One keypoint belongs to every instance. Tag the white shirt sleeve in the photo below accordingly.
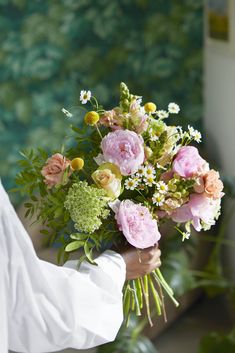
(49, 307)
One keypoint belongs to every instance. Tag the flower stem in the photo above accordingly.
(138, 312)
(159, 279)
(98, 130)
(144, 284)
(155, 296)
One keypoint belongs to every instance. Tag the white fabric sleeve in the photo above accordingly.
(49, 307)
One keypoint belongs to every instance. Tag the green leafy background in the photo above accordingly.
(52, 49)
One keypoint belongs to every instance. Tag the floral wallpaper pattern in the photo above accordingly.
(52, 49)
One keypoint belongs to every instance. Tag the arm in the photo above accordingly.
(50, 307)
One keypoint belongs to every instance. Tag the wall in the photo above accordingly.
(219, 119)
(52, 49)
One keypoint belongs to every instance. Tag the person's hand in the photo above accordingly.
(140, 262)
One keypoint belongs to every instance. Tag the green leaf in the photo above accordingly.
(74, 245)
(28, 205)
(88, 252)
(79, 236)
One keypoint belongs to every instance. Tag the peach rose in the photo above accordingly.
(213, 186)
(108, 177)
(54, 168)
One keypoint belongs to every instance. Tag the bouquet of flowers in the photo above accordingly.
(124, 174)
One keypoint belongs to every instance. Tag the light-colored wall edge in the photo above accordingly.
(219, 114)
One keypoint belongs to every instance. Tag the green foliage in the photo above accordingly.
(129, 340)
(217, 343)
(176, 269)
(50, 50)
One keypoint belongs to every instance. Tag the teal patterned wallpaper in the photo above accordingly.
(52, 49)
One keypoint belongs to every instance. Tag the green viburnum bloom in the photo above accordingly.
(87, 206)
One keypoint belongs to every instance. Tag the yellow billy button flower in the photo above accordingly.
(77, 163)
(150, 107)
(91, 118)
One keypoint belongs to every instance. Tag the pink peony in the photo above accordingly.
(137, 224)
(125, 149)
(54, 168)
(199, 208)
(188, 163)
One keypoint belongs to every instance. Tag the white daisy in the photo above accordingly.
(131, 184)
(162, 187)
(67, 113)
(185, 235)
(197, 136)
(141, 171)
(149, 180)
(149, 171)
(191, 130)
(173, 108)
(158, 199)
(162, 114)
(153, 135)
(85, 96)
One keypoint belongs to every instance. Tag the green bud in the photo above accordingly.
(184, 192)
(172, 187)
(177, 195)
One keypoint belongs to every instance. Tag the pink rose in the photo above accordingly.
(54, 168)
(137, 224)
(138, 117)
(112, 119)
(210, 184)
(125, 149)
(188, 163)
(213, 184)
(199, 208)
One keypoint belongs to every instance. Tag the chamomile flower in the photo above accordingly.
(158, 199)
(162, 187)
(181, 132)
(131, 184)
(162, 114)
(173, 108)
(154, 136)
(67, 113)
(141, 171)
(85, 96)
(191, 130)
(197, 136)
(150, 180)
(185, 235)
(149, 171)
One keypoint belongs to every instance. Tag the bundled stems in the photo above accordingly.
(144, 284)
(137, 293)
